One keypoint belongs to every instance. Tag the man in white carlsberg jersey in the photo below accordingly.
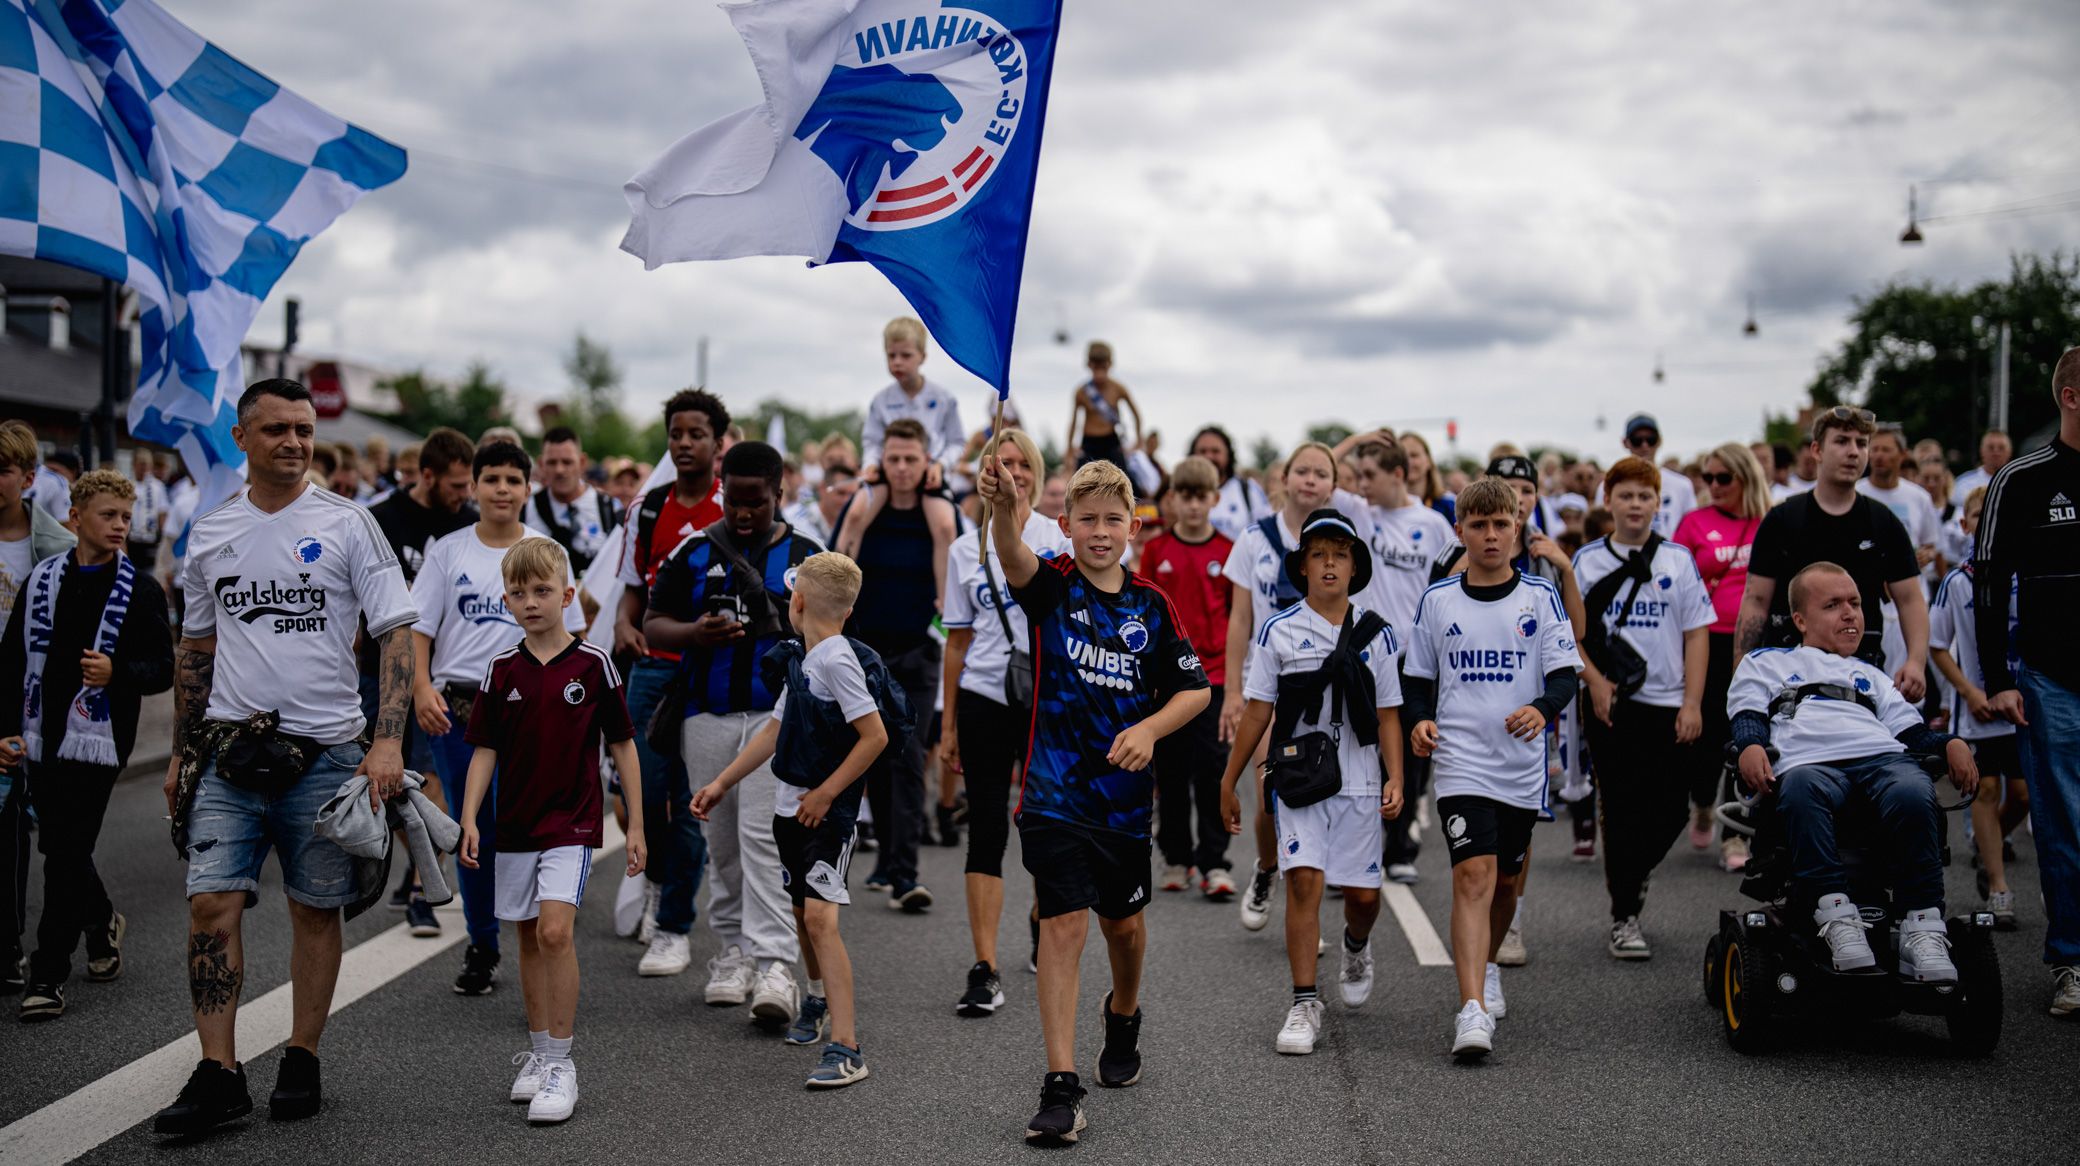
(277, 581)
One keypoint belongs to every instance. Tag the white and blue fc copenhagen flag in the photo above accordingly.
(902, 132)
(132, 148)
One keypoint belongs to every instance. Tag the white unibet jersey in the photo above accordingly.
(969, 604)
(1404, 544)
(1823, 730)
(284, 594)
(1298, 640)
(1489, 659)
(1257, 562)
(461, 598)
(1952, 628)
(581, 516)
(834, 674)
(1674, 601)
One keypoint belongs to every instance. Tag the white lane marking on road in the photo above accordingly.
(1430, 950)
(72, 1125)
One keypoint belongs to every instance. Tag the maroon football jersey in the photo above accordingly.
(547, 721)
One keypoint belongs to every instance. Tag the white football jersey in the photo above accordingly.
(1489, 659)
(1673, 602)
(461, 597)
(1298, 639)
(1952, 627)
(1822, 730)
(1404, 544)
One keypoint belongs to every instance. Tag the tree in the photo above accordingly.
(1329, 432)
(801, 424)
(594, 409)
(1923, 356)
(425, 404)
(1264, 452)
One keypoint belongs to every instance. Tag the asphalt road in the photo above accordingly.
(1597, 1061)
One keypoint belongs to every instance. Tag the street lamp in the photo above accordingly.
(1750, 328)
(1911, 237)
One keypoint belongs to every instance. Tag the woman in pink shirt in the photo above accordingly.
(1720, 535)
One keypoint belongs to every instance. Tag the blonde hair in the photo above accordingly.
(1034, 461)
(908, 328)
(101, 481)
(18, 446)
(532, 558)
(1740, 461)
(828, 583)
(1431, 488)
(1486, 496)
(1287, 467)
(1100, 480)
(1195, 475)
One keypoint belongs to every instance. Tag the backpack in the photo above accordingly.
(564, 535)
(1283, 594)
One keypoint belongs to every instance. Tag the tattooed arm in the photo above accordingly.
(384, 765)
(194, 672)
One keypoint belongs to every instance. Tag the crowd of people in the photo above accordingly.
(760, 665)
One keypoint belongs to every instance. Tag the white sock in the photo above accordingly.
(816, 987)
(557, 1048)
(540, 1040)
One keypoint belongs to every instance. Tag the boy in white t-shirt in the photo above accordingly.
(1491, 659)
(830, 697)
(1350, 655)
(463, 623)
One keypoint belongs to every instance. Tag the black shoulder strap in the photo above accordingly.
(646, 517)
(544, 507)
(609, 518)
(996, 599)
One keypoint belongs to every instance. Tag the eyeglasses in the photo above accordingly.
(1650, 440)
(1722, 478)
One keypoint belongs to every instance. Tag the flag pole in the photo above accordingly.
(989, 449)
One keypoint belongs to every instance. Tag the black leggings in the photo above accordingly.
(992, 743)
(1707, 755)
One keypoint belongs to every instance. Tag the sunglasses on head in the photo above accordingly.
(1722, 478)
(1851, 413)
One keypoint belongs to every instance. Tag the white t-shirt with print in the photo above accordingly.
(968, 603)
(460, 594)
(1823, 730)
(1489, 659)
(1674, 602)
(580, 516)
(834, 674)
(1952, 627)
(1404, 544)
(1299, 639)
(284, 594)
(1238, 505)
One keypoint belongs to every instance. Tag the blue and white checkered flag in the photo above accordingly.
(133, 148)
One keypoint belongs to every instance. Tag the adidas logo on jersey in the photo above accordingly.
(1453, 631)
(2062, 509)
(716, 571)
(462, 580)
(1080, 617)
(229, 552)
(512, 694)
(1164, 568)
(1304, 642)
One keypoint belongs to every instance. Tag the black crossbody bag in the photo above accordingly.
(1304, 769)
(1018, 669)
(1613, 654)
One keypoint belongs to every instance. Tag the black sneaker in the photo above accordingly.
(105, 950)
(402, 896)
(15, 976)
(949, 829)
(911, 897)
(213, 1095)
(985, 993)
(864, 843)
(296, 1093)
(419, 915)
(1060, 1118)
(1119, 1062)
(42, 1002)
(479, 971)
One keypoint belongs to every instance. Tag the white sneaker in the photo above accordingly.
(2065, 990)
(2002, 904)
(778, 997)
(669, 955)
(1491, 993)
(1842, 926)
(1303, 1026)
(1512, 954)
(1404, 873)
(1256, 898)
(730, 976)
(1357, 975)
(1923, 944)
(1628, 942)
(630, 897)
(1176, 878)
(558, 1095)
(529, 1082)
(1473, 1034)
(647, 929)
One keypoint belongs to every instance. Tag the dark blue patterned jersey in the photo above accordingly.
(1103, 662)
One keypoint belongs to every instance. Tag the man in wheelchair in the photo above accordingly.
(1831, 735)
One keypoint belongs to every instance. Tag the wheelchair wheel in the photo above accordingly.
(1714, 952)
(1975, 1020)
(1743, 991)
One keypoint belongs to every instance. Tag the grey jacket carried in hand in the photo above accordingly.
(349, 822)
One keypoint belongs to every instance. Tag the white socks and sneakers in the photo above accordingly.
(668, 955)
(548, 1081)
(1923, 945)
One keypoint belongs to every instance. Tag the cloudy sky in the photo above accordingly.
(1375, 211)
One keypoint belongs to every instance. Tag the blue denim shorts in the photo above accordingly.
(230, 831)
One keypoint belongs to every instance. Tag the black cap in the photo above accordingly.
(65, 460)
(1510, 466)
(1327, 522)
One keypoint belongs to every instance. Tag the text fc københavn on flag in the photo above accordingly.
(135, 149)
(899, 132)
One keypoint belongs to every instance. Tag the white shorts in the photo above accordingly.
(527, 877)
(1340, 836)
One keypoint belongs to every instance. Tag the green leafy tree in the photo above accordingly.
(1923, 356)
(1264, 452)
(594, 408)
(801, 424)
(1329, 432)
(425, 404)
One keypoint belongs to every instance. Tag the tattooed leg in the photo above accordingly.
(216, 970)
